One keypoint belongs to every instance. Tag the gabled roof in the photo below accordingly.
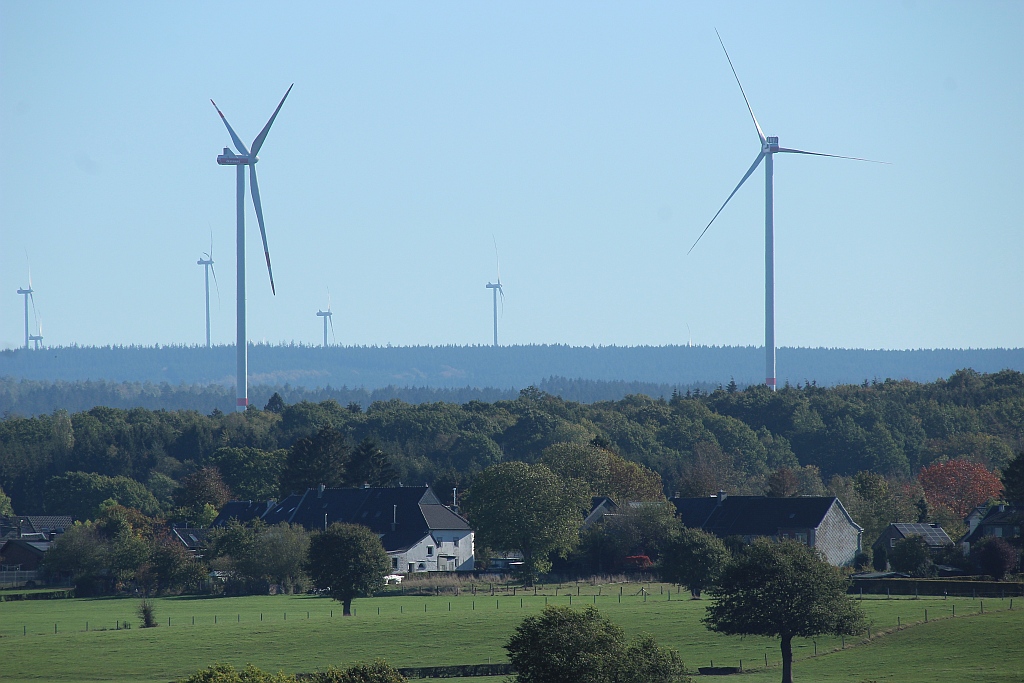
(997, 515)
(755, 515)
(932, 534)
(599, 507)
(401, 516)
(190, 537)
(243, 511)
(45, 523)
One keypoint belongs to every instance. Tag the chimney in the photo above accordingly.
(394, 517)
(721, 496)
(320, 491)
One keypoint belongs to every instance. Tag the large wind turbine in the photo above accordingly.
(28, 294)
(327, 315)
(769, 147)
(495, 291)
(246, 157)
(207, 264)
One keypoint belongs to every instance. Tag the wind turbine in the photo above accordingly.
(327, 315)
(28, 294)
(245, 157)
(495, 291)
(207, 263)
(769, 147)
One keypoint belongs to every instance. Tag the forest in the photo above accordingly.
(501, 368)
(849, 439)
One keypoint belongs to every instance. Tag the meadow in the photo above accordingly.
(85, 639)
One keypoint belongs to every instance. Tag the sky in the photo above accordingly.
(591, 142)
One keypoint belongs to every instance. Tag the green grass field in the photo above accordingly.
(299, 633)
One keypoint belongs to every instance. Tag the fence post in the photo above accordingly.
(766, 660)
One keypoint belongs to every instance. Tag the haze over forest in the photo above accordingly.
(33, 382)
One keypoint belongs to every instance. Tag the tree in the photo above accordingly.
(959, 485)
(203, 487)
(782, 483)
(347, 560)
(80, 552)
(1013, 480)
(257, 555)
(320, 459)
(80, 494)
(515, 506)
(644, 529)
(251, 473)
(369, 464)
(694, 559)
(782, 589)
(562, 644)
(377, 672)
(275, 404)
(911, 556)
(994, 556)
(5, 505)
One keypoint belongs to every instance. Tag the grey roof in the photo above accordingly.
(754, 515)
(400, 515)
(192, 538)
(932, 534)
(997, 515)
(43, 523)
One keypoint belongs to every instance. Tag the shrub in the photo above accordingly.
(147, 614)
(880, 562)
(225, 673)
(994, 556)
(377, 672)
(911, 556)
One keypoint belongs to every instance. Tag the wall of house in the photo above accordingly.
(837, 538)
(444, 551)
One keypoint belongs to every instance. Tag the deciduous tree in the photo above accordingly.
(911, 556)
(347, 560)
(959, 485)
(694, 559)
(515, 506)
(562, 644)
(1013, 480)
(320, 459)
(782, 589)
(994, 556)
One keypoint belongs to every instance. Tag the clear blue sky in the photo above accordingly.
(593, 140)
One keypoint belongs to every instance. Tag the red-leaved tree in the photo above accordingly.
(959, 485)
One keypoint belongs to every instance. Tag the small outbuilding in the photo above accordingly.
(933, 534)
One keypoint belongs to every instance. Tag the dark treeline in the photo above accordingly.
(24, 398)
(506, 367)
(697, 441)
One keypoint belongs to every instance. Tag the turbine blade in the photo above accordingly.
(330, 318)
(834, 156)
(742, 180)
(329, 300)
(259, 217)
(497, 263)
(215, 283)
(234, 138)
(760, 134)
(258, 142)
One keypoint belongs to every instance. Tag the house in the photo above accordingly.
(46, 526)
(599, 507)
(1002, 521)
(933, 536)
(418, 531)
(819, 521)
(192, 538)
(22, 554)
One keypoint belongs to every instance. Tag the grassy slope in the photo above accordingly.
(981, 648)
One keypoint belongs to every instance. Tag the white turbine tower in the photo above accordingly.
(327, 316)
(207, 264)
(495, 291)
(769, 147)
(30, 296)
(245, 157)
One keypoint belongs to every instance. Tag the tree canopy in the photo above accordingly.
(786, 590)
(347, 560)
(694, 559)
(527, 508)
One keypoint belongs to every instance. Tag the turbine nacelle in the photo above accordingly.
(229, 158)
(770, 145)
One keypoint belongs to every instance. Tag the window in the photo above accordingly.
(430, 551)
(394, 563)
(892, 542)
(998, 531)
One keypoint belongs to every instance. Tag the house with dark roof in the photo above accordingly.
(192, 538)
(42, 526)
(418, 531)
(22, 554)
(819, 521)
(934, 536)
(1001, 521)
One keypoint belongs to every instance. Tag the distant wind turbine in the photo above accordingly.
(327, 316)
(495, 291)
(28, 294)
(245, 157)
(769, 147)
(207, 263)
